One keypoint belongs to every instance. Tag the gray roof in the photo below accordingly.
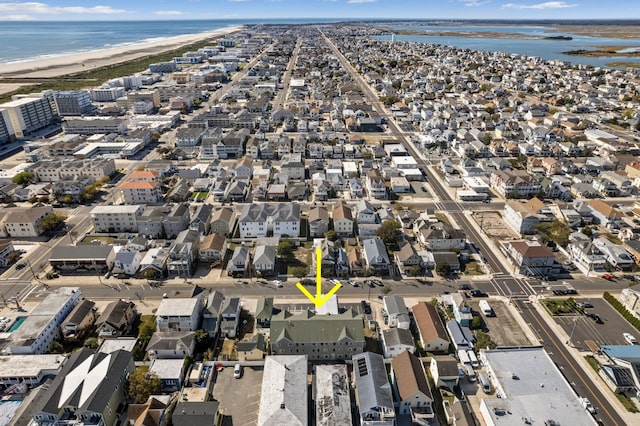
(333, 402)
(114, 314)
(79, 312)
(195, 413)
(214, 304)
(460, 335)
(257, 341)
(284, 391)
(310, 327)
(372, 385)
(264, 255)
(278, 212)
(81, 252)
(172, 340)
(395, 305)
(374, 251)
(86, 381)
(264, 308)
(230, 305)
(398, 336)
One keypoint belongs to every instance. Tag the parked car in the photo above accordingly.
(608, 277)
(20, 266)
(585, 305)
(478, 293)
(277, 283)
(596, 318)
(237, 371)
(365, 307)
(353, 283)
(629, 338)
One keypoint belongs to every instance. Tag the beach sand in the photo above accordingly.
(78, 62)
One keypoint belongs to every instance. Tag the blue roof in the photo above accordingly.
(629, 353)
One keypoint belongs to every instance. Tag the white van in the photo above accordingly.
(484, 381)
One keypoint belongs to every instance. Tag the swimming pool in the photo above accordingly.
(18, 323)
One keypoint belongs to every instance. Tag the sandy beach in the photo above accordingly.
(77, 62)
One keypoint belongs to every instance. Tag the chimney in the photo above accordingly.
(282, 406)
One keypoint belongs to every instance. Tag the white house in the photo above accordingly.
(397, 340)
(281, 219)
(179, 314)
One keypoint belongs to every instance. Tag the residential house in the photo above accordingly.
(127, 261)
(170, 371)
(396, 312)
(397, 340)
(407, 258)
(212, 248)
(411, 388)
(514, 183)
(375, 257)
(79, 321)
(90, 390)
(374, 396)
(531, 258)
(461, 336)
(183, 254)
(171, 344)
(200, 218)
(176, 221)
(342, 220)
(615, 255)
(431, 331)
(239, 265)
(259, 220)
(375, 185)
(444, 371)
(179, 314)
(318, 221)
(153, 412)
(605, 214)
(149, 223)
(199, 413)
(222, 221)
(116, 319)
(6, 248)
(264, 260)
(253, 349)
(89, 257)
(320, 337)
(264, 312)
(522, 218)
(154, 263)
(365, 213)
(212, 313)
(230, 316)
(439, 236)
(292, 166)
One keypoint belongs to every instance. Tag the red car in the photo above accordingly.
(607, 277)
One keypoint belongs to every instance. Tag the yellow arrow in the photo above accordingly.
(319, 299)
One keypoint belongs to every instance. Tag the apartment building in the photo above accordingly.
(55, 170)
(320, 337)
(7, 134)
(514, 183)
(28, 115)
(260, 220)
(106, 94)
(116, 218)
(23, 221)
(74, 102)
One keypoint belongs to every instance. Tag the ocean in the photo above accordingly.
(22, 41)
(546, 49)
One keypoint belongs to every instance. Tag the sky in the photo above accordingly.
(82, 10)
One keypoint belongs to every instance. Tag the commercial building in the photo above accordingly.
(320, 337)
(42, 326)
(283, 400)
(107, 94)
(116, 218)
(95, 125)
(30, 370)
(28, 115)
(529, 389)
(86, 257)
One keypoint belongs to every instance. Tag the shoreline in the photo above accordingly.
(72, 63)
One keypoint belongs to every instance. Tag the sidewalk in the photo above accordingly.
(578, 356)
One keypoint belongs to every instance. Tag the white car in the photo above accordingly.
(277, 283)
(629, 339)
(237, 371)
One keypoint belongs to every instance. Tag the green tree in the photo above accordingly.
(385, 290)
(56, 347)
(587, 231)
(299, 271)
(331, 235)
(285, 248)
(149, 274)
(146, 329)
(91, 343)
(52, 221)
(389, 231)
(155, 136)
(415, 270)
(67, 199)
(23, 178)
(476, 323)
(556, 231)
(443, 268)
(142, 384)
(202, 339)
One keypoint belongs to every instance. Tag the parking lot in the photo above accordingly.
(239, 398)
(503, 327)
(588, 335)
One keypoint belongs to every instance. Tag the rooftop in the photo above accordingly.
(177, 307)
(284, 391)
(333, 403)
(29, 365)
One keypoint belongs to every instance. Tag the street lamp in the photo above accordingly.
(575, 322)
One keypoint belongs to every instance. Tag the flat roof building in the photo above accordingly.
(333, 403)
(530, 389)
